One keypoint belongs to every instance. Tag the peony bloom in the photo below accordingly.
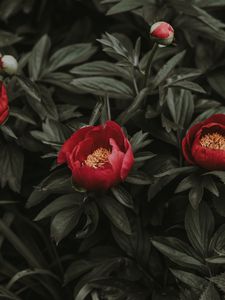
(98, 156)
(162, 33)
(9, 64)
(4, 108)
(204, 144)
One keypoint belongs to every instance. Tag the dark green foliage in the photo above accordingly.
(159, 235)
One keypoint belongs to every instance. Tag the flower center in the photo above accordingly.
(213, 141)
(98, 158)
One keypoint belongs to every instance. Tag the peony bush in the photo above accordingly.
(112, 133)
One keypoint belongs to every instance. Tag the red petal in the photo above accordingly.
(93, 179)
(188, 141)
(4, 116)
(128, 161)
(4, 109)
(217, 118)
(69, 144)
(162, 31)
(210, 159)
(116, 159)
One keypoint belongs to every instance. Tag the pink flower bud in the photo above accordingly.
(9, 64)
(162, 33)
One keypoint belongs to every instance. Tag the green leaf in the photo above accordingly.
(57, 179)
(188, 85)
(78, 268)
(38, 57)
(21, 115)
(113, 46)
(139, 140)
(209, 184)
(102, 86)
(19, 245)
(167, 68)
(217, 242)
(60, 203)
(177, 171)
(11, 171)
(125, 5)
(139, 178)
(211, 3)
(64, 222)
(72, 54)
(195, 195)
(219, 174)
(54, 133)
(178, 252)
(181, 106)
(100, 68)
(187, 183)
(219, 259)
(193, 281)
(219, 281)
(210, 293)
(143, 156)
(122, 196)
(199, 224)
(7, 38)
(116, 213)
(219, 202)
(28, 272)
(29, 87)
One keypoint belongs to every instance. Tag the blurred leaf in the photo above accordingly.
(191, 280)
(100, 68)
(64, 222)
(11, 161)
(29, 87)
(57, 179)
(178, 252)
(210, 293)
(167, 68)
(60, 203)
(181, 106)
(219, 281)
(38, 57)
(103, 86)
(139, 178)
(122, 196)
(188, 85)
(116, 213)
(72, 54)
(199, 224)
(126, 5)
(21, 115)
(8, 38)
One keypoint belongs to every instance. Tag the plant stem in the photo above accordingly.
(149, 63)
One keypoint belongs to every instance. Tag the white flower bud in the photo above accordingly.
(9, 64)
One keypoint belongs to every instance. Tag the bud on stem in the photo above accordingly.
(162, 33)
(8, 64)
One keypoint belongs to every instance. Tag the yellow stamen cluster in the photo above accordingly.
(213, 141)
(98, 158)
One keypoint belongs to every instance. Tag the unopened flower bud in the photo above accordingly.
(162, 33)
(9, 64)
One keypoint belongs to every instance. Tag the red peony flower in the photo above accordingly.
(99, 156)
(162, 33)
(204, 144)
(4, 108)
